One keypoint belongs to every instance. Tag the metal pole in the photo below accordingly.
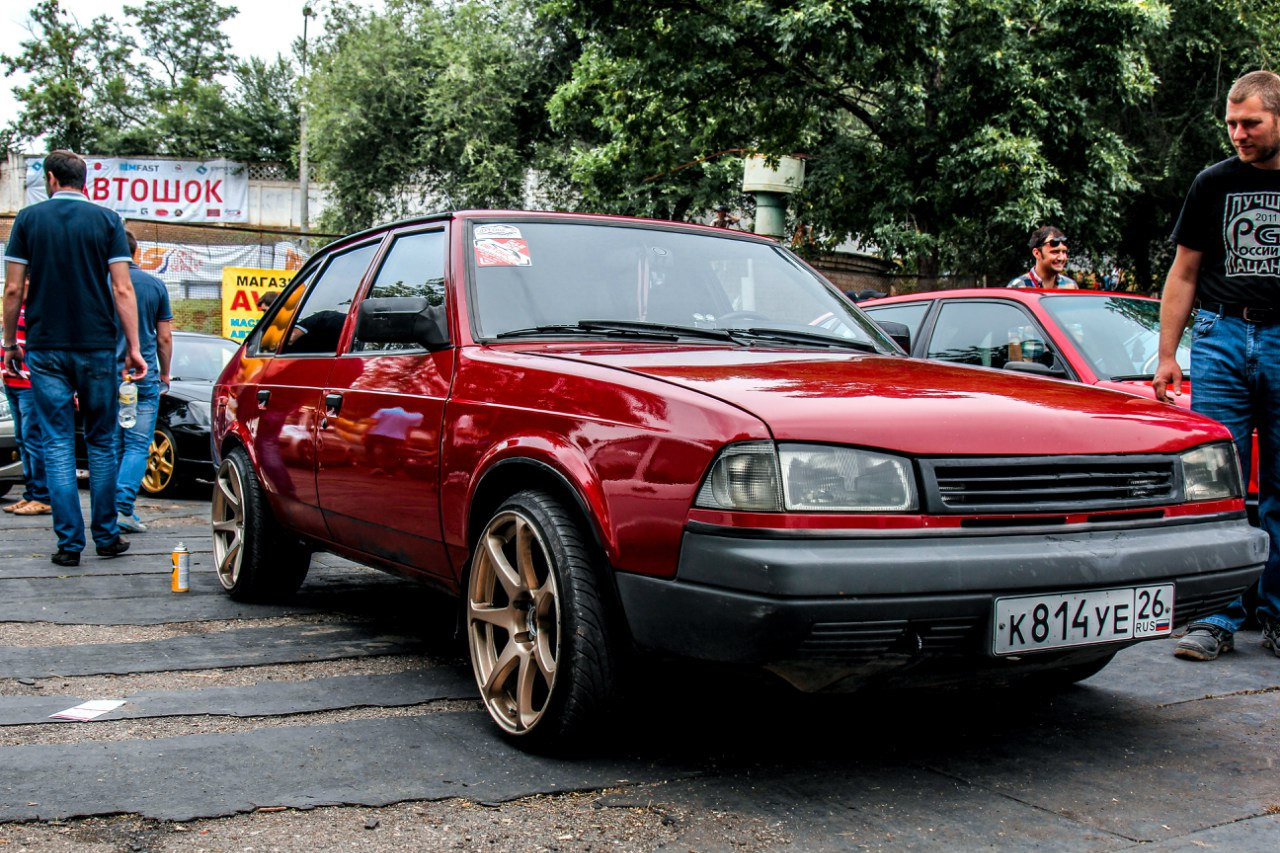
(304, 177)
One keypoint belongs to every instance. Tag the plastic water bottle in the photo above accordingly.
(128, 404)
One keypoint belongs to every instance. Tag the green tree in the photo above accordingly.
(1177, 130)
(262, 122)
(81, 91)
(430, 105)
(940, 131)
(187, 52)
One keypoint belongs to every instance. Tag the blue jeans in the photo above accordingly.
(26, 431)
(132, 446)
(1235, 379)
(57, 377)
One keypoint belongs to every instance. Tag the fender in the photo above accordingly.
(565, 461)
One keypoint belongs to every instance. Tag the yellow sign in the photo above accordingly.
(242, 292)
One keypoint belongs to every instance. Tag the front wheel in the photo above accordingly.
(256, 560)
(542, 646)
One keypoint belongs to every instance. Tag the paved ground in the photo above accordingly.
(348, 720)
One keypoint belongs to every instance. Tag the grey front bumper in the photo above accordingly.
(757, 600)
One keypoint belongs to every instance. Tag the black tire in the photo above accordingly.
(256, 559)
(162, 476)
(4, 488)
(535, 607)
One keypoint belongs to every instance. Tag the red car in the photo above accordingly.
(1096, 337)
(608, 435)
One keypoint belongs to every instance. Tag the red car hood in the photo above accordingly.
(913, 406)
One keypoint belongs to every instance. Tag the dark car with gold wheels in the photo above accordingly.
(180, 449)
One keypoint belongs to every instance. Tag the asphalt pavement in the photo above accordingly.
(356, 693)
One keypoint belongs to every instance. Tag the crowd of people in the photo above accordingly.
(79, 316)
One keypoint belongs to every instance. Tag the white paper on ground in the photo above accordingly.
(88, 710)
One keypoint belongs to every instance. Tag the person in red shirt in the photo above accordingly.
(26, 430)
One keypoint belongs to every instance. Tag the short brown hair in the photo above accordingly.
(1044, 232)
(67, 167)
(1263, 84)
(133, 242)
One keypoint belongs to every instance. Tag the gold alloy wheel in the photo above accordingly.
(513, 621)
(162, 457)
(228, 523)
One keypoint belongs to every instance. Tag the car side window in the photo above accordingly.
(989, 334)
(910, 315)
(414, 266)
(326, 304)
(270, 332)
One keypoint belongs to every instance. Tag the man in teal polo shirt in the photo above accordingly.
(65, 247)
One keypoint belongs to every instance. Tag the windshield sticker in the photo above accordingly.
(498, 232)
(503, 253)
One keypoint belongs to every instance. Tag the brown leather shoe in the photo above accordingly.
(14, 507)
(34, 508)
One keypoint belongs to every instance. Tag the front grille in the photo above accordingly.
(1049, 484)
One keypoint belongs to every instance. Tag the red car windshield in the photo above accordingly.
(544, 275)
(1118, 335)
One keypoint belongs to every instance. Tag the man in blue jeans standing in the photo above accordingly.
(155, 339)
(1227, 267)
(65, 247)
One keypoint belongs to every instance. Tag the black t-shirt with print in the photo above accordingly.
(1232, 216)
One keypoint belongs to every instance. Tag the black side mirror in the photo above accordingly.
(900, 333)
(403, 320)
(1036, 368)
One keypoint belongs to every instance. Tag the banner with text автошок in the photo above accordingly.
(159, 190)
(242, 292)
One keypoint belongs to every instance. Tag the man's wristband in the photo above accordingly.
(11, 347)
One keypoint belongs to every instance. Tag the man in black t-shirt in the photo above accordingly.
(1227, 267)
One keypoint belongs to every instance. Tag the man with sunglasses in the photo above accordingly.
(1227, 269)
(1049, 249)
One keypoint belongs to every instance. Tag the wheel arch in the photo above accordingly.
(508, 476)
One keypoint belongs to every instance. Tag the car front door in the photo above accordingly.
(989, 333)
(378, 474)
(287, 403)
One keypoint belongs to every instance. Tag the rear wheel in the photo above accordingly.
(542, 647)
(256, 560)
(161, 476)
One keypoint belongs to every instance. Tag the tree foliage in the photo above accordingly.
(939, 131)
(1177, 129)
(428, 106)
(164, 82)
(79, 79)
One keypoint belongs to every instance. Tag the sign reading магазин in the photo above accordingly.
(159, 190)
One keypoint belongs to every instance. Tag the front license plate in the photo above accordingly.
(1030, 623)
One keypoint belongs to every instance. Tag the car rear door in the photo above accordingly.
(378, 440)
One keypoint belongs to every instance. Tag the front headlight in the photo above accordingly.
(1211, 473)
(198, 410)
(5, 414)
(744, 477)
(759, 477)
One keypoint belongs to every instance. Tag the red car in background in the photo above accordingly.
(609, 436)
(1096, 337)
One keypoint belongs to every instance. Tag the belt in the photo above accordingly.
(1259, 314)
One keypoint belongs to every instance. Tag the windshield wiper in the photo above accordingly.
(1137, 377)
(622, 328)
(792, 336)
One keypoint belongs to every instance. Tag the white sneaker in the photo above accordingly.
(131, 523)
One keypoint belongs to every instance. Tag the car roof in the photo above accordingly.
(1026, 295)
